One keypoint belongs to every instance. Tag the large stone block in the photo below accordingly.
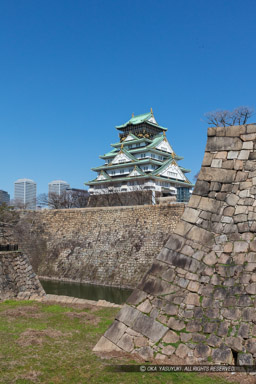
(215, 144)
(115, 331)
(174, 258)
(191, 215)
(149, 327)
(136, 297)
(127, 315)
(200, 235)
(171, 337)
(210, 205)
(202, 188)
(126, 343)
(215, 174)
(244, 359)
(222, 355)
(105, 345)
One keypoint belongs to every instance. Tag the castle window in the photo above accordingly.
(171, 174)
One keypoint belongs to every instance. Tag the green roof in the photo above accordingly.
(120, 165)
(142, 149)
(165, 165)
(150, 176)
(129, 142)
(135, 120)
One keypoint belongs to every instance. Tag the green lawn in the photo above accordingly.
(43, 343)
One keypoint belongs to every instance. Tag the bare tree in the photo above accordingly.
(196, 175)
(110, 195)
(19, 204)
(223, 118)
(73, 198)
(242, 114)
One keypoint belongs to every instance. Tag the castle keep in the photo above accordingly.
(142, 160)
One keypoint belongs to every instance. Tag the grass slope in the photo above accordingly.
(42, 343)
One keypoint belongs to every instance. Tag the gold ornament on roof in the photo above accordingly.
(173, 155)
(133, 114)
(151, 110)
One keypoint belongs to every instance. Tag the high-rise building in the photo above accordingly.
(142, 159)
(4, 197)
(25, 194)
(57, 187)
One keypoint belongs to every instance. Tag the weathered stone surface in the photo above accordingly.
(215, 174)
(234, 131)
(193, 326)
(168, 350)
(105, 345)
(190, 215)
(202, 350)
(171, 309)
(171, 337)
(210, 205)
(193, 286)
(126, 343)
(200, 235)
(222, 355)
(235, 343)
(210, 259)
(222, 144)
(251, 288)
(192, 298)
(156, 286)
(145, 306)
(177, 325)
(232, 199)
(149, 327)
(250, 345)
(146, 353)
(140, 341)
(127, 315)
(214, 341)
(244, 155)
(241, 246)
(207, 159)
(185, 337)
(182, 351)
(175, 259)
(136, 297)
(244, 359)
(115, 331)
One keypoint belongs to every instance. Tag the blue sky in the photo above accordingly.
(70, 71)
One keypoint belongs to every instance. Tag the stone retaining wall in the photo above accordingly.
(17, 277)
(198, 300)
(107, 246)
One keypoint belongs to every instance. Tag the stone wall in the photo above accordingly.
(108, 246)
(17, 278)
(198, 300)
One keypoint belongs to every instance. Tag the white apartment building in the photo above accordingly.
(25, 193)
(57, 187)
